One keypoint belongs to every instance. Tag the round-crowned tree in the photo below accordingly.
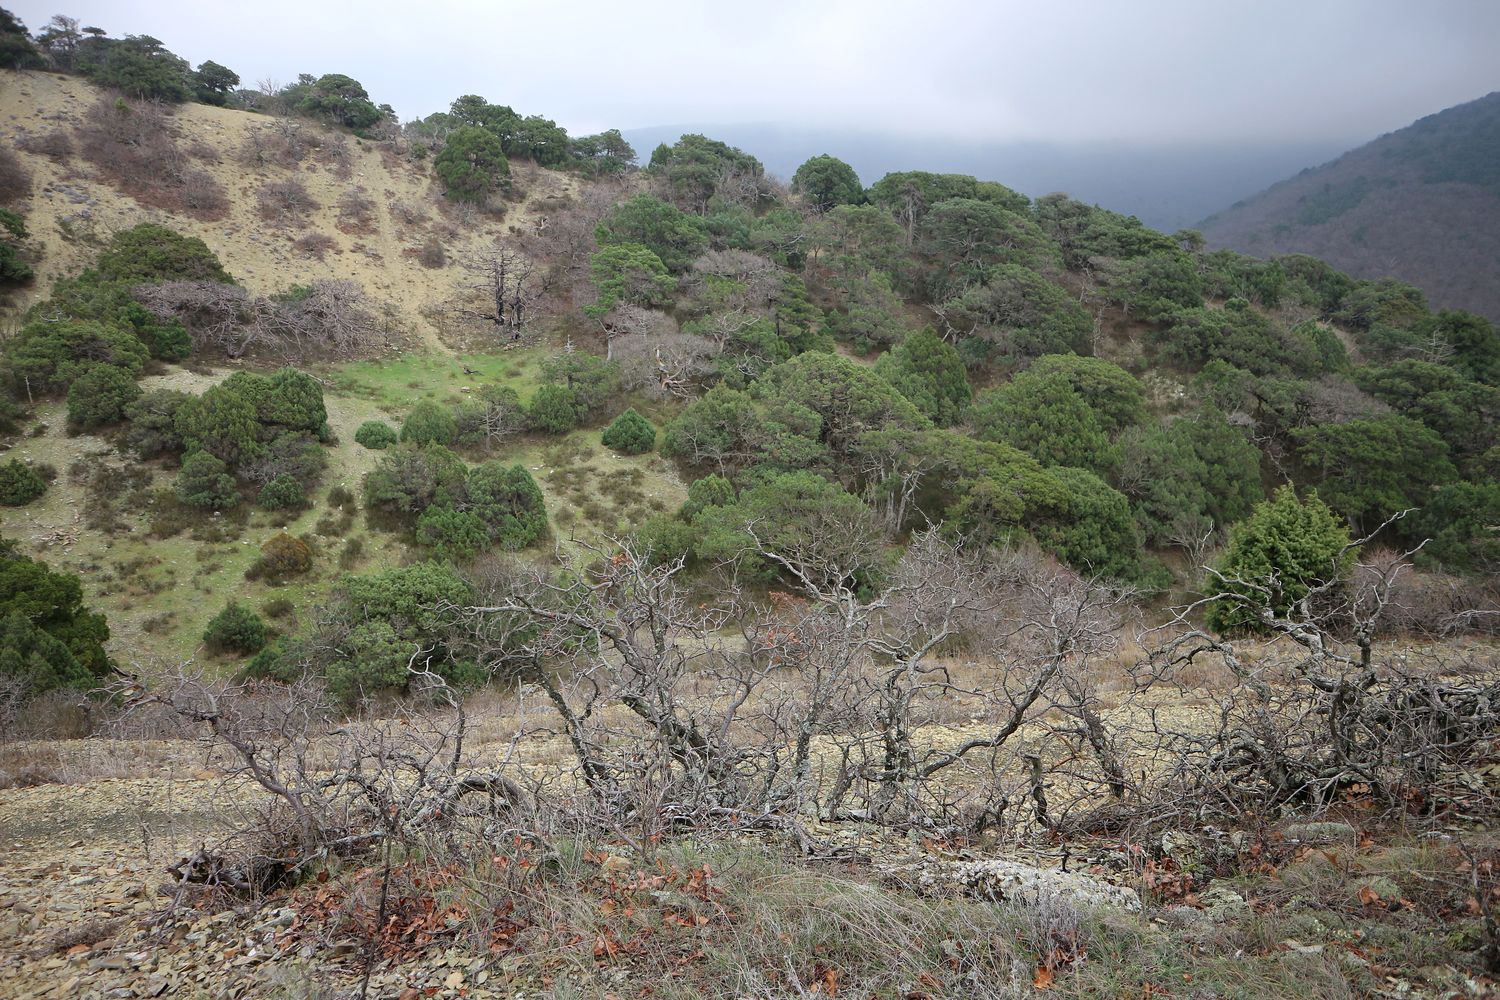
(928, 371)
(826, 182)
(472, 164)
(508, 503)
(630, 434)
(553, 409)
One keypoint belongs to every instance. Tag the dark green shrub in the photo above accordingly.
(236, 629)
(429, 423)
(20, 484)
(409, 479)
(375, 434)
(11, 415)
(282, 493)
(100, 396)
(1285, 548)
(203, 482)
(452, 534)
(553, 410)
(48, 639)
(928, 371)
(153, 423)
(508, 502)
(666, 538)
(277, 607)
(630, 434)
(47, 356)
(167, 340)
(150, 253)
(710, 491)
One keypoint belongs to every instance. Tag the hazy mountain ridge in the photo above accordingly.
(1166, 187)
(1421, 204)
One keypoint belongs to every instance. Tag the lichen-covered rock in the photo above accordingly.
(1223, 905)
(1006, 881)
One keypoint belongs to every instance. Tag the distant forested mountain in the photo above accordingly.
(1421, 204)
(1166, 187)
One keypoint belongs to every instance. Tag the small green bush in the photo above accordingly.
(429, 423)
(20, 484)
(452, 534)
(375, 434)
(282, 493)
(553, 410)
(710, 491)
(204, 482)
(236, 629)
(630, 434)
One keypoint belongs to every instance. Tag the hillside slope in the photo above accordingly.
(1421, 204)
(74, 207)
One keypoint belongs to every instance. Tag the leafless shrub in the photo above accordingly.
(87, 932)
(60, 714)
(407, 212)
(653, 354)
(330, 789)
(564, 239)
(219, 317)
(53, 144)
(201, 195)
(324, 319)
(833, 703)
(285, 202)
(432, 254)
(15, 179)
(315, 245)
(283, 142)
(204, 152)
(1324, 713)
(1426, 603)
(335, 152)
(13, 691)
(134, 147)
(356, 212)
(330, 318)
(1335, 401)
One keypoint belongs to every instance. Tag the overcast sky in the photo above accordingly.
(1153, 71)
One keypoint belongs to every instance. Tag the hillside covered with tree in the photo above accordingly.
(508, 564)
(1421, 204)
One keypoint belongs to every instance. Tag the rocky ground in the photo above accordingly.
(85, 901)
